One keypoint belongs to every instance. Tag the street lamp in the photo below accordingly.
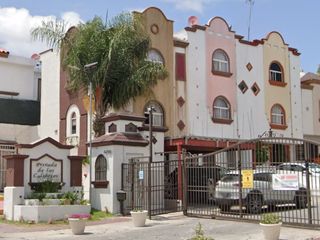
(88, 68)
(150, 110)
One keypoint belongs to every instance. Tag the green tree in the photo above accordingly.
(120, 47)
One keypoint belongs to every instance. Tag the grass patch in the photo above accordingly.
(97, 215)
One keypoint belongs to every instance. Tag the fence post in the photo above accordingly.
(185, 182)
(306, 157)
(149, 190)
(240, 180)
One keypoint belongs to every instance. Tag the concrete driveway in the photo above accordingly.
(168, 227)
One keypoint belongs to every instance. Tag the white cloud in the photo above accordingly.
(194, 5)
(15, 26)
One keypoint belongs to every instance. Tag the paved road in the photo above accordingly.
(168, 227)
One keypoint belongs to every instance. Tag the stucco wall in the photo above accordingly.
(295, 97)
(49, 124)
(163, 92)
(17, 75)
(251, 117)
(307, 111)
(275, 49)
(316, 109)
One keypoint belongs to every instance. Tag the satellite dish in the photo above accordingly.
(193, 20)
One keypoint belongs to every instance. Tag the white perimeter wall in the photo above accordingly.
(50, 98)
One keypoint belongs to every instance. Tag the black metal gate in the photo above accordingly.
(279, 175)
(165, 178)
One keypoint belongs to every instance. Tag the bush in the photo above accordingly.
(200, 234)
(47, 187)
(270, 218)
(72, 196)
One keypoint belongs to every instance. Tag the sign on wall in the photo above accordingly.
(46, 168)
(285, 182)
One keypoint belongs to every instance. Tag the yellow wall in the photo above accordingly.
(163, 42)
(274, 49)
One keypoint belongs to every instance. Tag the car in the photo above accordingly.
(227, 192)
(314, 168)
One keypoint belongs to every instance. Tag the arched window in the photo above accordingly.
(220, 61)
(155, 56)
(278, 115)
(157, 114)
(73, 123)
(221, 109)
(275, 72)
(101, 168)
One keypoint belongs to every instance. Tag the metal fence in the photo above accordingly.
(4, 150)
(163, 185)
(278, 175)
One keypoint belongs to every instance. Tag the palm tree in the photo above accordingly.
(120, 48)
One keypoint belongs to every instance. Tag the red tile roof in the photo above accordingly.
(127, 139)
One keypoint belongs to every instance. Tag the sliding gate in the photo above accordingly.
(278, 175)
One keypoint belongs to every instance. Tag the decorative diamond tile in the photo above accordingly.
(154, 140)
(255, 89)
(249, 67)
(243, 86)
(181, 125)
(180, 101)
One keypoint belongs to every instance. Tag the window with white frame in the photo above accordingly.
(101, 168)
(220, 61)
(157, 114)
(275, 72)
(277, 115)
(221, 109)
(155, 56)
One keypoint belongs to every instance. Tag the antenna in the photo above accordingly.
(250, 2)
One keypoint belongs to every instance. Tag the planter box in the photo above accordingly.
(77, 225)
(139, 218)
(32, 202)
(43, 213)
(271, 231)
(46, 201)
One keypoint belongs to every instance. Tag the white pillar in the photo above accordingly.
(12, 196)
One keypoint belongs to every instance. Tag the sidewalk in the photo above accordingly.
(167, 227)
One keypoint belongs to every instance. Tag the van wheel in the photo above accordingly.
(300, 199)
(254, 203)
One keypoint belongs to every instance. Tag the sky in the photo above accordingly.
(297, 21)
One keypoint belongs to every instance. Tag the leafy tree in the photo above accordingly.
(120, 47)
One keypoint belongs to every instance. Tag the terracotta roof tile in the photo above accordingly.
(134, 139)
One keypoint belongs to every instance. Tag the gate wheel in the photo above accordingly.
(254, 203)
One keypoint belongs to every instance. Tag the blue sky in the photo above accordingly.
(297, 21)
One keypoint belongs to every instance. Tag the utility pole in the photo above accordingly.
(251, 3)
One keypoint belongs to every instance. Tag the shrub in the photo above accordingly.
(200, 234)
(270, 218)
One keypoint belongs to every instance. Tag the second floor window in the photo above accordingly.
(157, 115)
(221, 109)
(277, 115)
